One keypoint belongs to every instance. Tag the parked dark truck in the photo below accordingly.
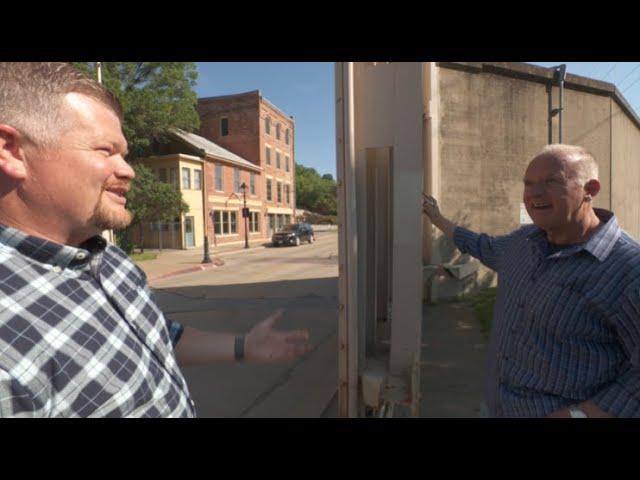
(293, 234)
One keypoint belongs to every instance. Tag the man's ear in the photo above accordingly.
(591, 189)
(11, 153)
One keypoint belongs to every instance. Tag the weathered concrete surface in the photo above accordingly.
(453, 359)
(625, 171)
(490, 127)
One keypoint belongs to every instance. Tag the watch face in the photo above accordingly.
(577, 413)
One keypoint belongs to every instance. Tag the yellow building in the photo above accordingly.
(185, 172)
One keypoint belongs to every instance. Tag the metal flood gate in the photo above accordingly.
(381, 134)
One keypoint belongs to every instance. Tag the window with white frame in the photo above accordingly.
(225, 222)
(277, 159)
(267, 125)
(233, 228)
(186, 178)
(252, 183)
(254, 218)
(279, 192)
(286, 136)
(236, 180)
(269, 193)
(217, 222)
(268, 155)
(286, 163)
(287, 194)
(277, 131)
(197, 179)
(163, 175)
(173, 177)
(218, 177)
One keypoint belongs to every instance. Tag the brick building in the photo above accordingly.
(250, 126)
(244, 139)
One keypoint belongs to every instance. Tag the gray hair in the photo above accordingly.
(32, 94)
(584, 165)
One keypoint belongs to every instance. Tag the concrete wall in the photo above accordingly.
(587, 122)
(490, 127)
(625, 176)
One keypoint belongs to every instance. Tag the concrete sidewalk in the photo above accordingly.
(453, 363)
(176, 262)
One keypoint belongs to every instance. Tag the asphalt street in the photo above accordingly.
(250, 286)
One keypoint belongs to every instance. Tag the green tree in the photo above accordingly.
(155, 97)
(152, 201)
(314, 192)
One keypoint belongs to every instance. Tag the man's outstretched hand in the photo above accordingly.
(430, 207)
(263, 344)
(432, 210)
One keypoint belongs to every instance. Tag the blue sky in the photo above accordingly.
(306, 91)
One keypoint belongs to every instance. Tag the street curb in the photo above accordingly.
(207, 266)
(217, 262)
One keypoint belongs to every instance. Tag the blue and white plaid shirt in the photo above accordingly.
(566, 326)
(81, 335)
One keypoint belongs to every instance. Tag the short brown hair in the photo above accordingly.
(31, 96)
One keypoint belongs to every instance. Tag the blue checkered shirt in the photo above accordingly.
(81, 334)
(566, 325)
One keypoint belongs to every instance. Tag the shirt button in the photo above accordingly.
(57, 269)
(81, 256)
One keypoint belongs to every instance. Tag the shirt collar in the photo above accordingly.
(45, 251)
(602, 242)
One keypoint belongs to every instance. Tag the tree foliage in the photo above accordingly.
(152, 201)
(314, 192)
(155, 97)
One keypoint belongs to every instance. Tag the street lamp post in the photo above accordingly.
(245, 214)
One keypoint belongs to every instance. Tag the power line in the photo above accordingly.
(637, 79)
(629, 74)
(610, 70)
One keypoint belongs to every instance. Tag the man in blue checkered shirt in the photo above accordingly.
(565, 339)
(80, 332)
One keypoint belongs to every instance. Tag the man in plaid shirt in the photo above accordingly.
(80, 332)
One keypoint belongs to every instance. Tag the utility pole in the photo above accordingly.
(559, 76)
(108, 234)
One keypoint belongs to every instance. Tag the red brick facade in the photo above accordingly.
(247, 137)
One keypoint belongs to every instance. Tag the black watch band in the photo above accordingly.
(238, 348)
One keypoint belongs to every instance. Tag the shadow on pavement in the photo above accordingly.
(303, 388)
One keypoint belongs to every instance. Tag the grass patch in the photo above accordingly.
(483, 303)
(140, 257)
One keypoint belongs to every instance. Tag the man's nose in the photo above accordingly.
(536, 189)
(123, 169)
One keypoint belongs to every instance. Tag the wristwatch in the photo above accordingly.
(576, 412)
(238, 348)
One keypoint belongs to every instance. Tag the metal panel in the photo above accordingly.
(347, 240)
(381, 144)
(408, 164)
